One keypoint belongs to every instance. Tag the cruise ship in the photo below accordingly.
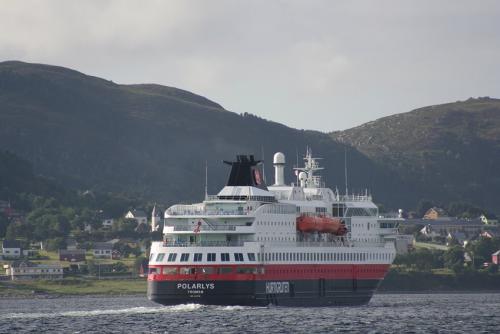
(298, 244)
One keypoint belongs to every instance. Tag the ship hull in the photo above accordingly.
(319, 292)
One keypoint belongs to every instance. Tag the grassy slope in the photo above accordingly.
(448, 152)
(70, 286)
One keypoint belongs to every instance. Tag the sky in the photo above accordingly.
(323, 65)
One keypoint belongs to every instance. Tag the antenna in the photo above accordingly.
(206, 180)
(345, 170)
(297, 165)
(263, 163)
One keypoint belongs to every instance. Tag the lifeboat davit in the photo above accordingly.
(321, 224)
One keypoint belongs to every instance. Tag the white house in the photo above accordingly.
(138, 215)
(428, 231)
(107, 223)
(25, 270)
(102, 250)
(488, 219)
(11, 249)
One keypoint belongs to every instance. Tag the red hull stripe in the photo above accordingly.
(273, 272)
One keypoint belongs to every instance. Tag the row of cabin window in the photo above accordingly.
(276, 223)
(238, 257)
(323, 256)
(252, 270)
(198, 257)
(275, 238)
(205, 270)
(279, 209)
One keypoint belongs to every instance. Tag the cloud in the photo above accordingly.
(318, 64)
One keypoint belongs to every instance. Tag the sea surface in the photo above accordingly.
(386, 313)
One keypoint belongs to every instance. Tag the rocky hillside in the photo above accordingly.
(151, 140)
(448, 152)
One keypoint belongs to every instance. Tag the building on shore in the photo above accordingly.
(102, 250)
(72, 255)
(11, 249)
(489, 219)
(444, 226)
(404, 243)
(435, 213)
(495, 257)
(138, 215)
(25, 270)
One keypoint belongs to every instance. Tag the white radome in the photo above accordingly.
(279, 158)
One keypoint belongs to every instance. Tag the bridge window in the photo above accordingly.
(169, 270)
(224, 257)
(238, 257)
(186, 270)
(211, 257)
(172, 257)
(251, 256)
(320, 210)
(150, 256)
(198, 257)
(184, 257)
(225, 270)
(338, 210)
(160, 257)
(205, 270)
(246, 270)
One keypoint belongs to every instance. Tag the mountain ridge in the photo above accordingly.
(148, 139)
(451, 151)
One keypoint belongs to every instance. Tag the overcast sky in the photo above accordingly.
(324, 65)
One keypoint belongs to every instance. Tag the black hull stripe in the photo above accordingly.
(262, 293)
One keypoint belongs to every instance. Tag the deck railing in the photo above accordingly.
(209, 228)
(203, 244)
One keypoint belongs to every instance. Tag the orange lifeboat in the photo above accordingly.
(321, 224)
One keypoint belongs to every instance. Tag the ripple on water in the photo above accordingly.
(457, 313)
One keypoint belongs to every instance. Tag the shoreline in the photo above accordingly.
(435, 292)
(394, 283)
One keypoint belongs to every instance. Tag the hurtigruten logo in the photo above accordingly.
(277, 287)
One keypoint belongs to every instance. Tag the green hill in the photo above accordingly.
(448, 152)
(151, 140)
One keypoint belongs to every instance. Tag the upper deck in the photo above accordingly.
(245, 210)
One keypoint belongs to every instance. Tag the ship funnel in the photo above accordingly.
(279, 169)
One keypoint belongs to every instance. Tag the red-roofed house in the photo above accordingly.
(495, 257)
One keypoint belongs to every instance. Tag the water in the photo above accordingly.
(408, 313)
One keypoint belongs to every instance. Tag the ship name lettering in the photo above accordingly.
(197, 286)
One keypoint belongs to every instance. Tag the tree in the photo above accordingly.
(4, 222)
(55, 244)
(120, 267)
(422, 259)
(464, 210)
(123, 248)
(92, 267)
(454, 258)
(19, 229)
(484, 247)
(140, 261)
(125, 227)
